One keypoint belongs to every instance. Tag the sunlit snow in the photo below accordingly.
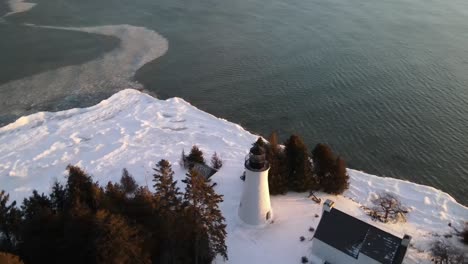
(134, 130)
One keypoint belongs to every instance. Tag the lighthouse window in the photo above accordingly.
(268, 215)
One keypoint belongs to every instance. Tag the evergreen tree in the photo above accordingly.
(167, 193)
(169, 202)
(42, 226)
(330, 171)
(195, 156)
(128, 183)
(82, 223)
(36, 205)
(6, 258)
(277, 175)
(57, 197)
(115, 199)
(143, 211)
(300, 177)
(209, 228)
(10, 223)
(338, 181)
(323, 159)
(116, 241)
(216, 161)
(81, 192)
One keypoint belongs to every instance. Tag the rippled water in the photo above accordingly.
(384, 82)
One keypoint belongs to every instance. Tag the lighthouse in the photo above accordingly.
(255, 206)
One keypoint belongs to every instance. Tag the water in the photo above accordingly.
(385, 83)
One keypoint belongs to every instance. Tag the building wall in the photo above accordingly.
(255, 201)
(365, 259)
(335, 256)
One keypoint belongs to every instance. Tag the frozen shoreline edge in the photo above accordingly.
(40, 118)
(133, 130)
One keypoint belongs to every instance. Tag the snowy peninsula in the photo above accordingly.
(134, 130)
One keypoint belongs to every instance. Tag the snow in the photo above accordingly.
(134, 130)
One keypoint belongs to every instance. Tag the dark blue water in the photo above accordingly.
(385, 83)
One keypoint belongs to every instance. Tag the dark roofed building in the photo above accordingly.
(203, 169)
(341, 238)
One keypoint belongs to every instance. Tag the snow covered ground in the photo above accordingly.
(134, 130)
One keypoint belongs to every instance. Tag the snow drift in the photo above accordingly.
(134, 130)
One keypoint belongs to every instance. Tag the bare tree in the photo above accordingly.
(443, 253)
(387, 208)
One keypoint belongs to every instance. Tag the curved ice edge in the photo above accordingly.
(111, 72)
(19, 6)
(362, 184)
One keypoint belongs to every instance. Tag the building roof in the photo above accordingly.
(353, 236)
(204, 170)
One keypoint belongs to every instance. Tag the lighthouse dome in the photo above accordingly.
(256, 159)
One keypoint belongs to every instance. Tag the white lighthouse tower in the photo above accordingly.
(255, 206)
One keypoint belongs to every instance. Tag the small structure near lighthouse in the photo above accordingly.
(255, 206)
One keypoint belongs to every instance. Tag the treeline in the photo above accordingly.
(292, 168)
(82, 222)
(196, 156)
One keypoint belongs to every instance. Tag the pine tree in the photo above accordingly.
(10, 223)
(277, 175)
(143, 211)
(323, 159)
(36, 205)
(115, 199)
(116, 241)
(41, 225)
(167, 193)
(195, 156)
(81, 191)
(6, 258)
(168, 202)
(330, 171)
(57, 197)
(300, 177)
(128, 183)
(216, 161)
(209, 228)
(339, 178)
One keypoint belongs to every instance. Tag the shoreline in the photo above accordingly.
(38, 119)
(133, 130)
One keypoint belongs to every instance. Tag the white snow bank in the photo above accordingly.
(18, 6)
(134, 130)
(111, 72)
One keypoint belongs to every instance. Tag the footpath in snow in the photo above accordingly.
(134, 130)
